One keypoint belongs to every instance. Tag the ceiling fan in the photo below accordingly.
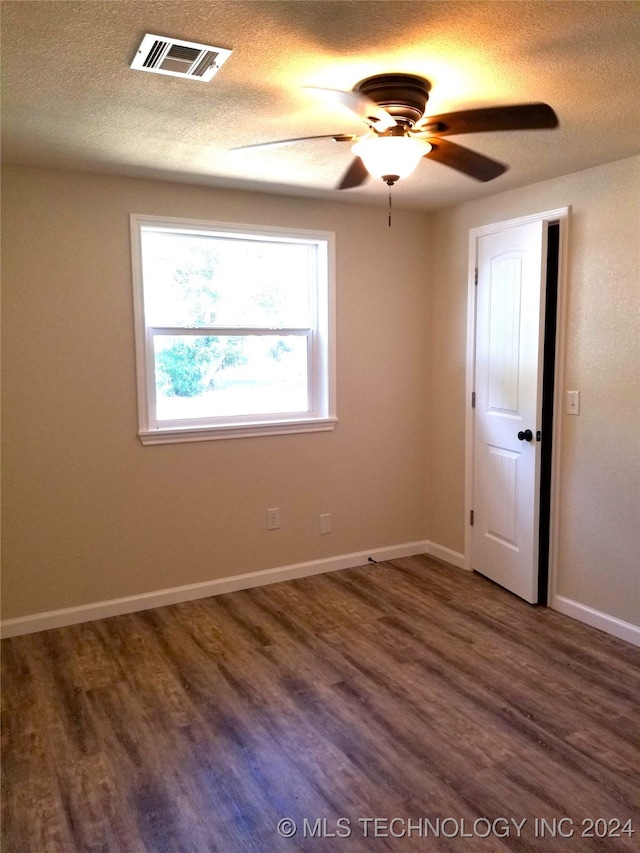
(400, 135)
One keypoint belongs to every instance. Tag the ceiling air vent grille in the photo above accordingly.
(162, 55)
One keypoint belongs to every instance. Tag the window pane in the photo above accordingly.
(204, 376)
(192, 280)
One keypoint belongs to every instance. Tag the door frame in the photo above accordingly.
(561, 216)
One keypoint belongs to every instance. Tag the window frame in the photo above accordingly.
(321, 379)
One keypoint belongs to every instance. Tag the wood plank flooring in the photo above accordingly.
(405, 690)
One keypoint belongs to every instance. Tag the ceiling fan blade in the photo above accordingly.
(366, 109)
(338, 137)
(355, 175)
(514, 117)
(464, 160)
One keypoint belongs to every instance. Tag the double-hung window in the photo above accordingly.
(234, 329)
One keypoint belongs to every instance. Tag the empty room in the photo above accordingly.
(320, 439)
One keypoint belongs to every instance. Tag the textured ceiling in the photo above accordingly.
(70, 99)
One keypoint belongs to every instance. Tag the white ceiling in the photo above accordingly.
(70, 99)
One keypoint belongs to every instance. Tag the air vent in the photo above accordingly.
(162, 55)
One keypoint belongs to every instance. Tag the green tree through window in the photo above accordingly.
(189, 366)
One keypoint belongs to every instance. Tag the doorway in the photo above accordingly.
(513, 363)
(548, 403)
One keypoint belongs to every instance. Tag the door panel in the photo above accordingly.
(504, 334)
(508, 384)
(501, 469)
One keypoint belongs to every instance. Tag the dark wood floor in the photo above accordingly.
(405, 690)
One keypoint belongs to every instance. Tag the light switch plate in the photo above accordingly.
(573, 402)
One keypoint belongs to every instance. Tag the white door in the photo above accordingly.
(508, 401)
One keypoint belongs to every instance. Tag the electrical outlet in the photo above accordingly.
(325, 523)
(273, 518)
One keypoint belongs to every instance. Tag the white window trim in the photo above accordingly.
(322, 343)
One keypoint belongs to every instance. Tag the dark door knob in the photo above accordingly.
(525, 435)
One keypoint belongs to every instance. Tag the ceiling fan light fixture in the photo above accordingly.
(391, 157)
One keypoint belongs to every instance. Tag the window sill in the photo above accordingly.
(173, 435)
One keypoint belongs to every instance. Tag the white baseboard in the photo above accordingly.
(597, 619)
(190, 592)
(446, 554)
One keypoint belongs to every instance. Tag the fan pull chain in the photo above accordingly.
(389, 208)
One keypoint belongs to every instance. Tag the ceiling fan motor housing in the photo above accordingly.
(403, 96)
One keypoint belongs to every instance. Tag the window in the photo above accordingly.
(234, 329)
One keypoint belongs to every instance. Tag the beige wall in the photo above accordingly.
(89, 513)
(599, 543)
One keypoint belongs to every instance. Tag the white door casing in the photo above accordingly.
(510, 301)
